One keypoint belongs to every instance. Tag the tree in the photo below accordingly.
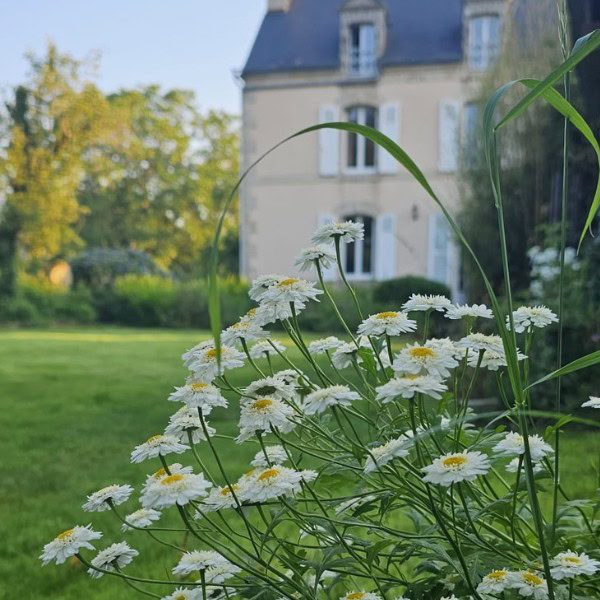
(159, 191)
(52, 123)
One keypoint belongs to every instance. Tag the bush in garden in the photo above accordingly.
(372, 478)
(389, 291)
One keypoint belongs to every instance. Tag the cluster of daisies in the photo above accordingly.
(288, 402)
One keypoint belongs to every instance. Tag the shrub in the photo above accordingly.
(395, 292)
(99, 267)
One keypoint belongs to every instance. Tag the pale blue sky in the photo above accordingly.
(192, 44)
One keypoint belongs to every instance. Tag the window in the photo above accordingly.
(471, 141)
(362, 61)
(594, 11)
(361, 151)
(484, 41)
(358, 256)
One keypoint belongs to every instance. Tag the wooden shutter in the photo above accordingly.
(449, 121)
(329, 142)
(438, 258)
(389, 124)
(385, 246)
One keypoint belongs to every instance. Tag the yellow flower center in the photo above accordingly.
(198, 387)
(572, 560)
(153, 439)
(226, 491)
(410, 377)
(262, 404)
(390, 314)
(160, 473)
(251, 312)
(65, 535)
(212, 353)
(355, 596)
(421, 352)
(288, 282)
(532, 578)
(180, 597)
(172, 479)
(268, 474)
(499, 575)
(453, 462)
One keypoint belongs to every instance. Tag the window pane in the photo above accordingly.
(370, 121)
(367, 245)
(350, 258)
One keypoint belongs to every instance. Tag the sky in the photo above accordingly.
(189, 44)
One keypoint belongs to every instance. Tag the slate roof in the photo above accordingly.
(307, 37)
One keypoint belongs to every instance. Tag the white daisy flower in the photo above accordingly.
(346, 352)
(198, 394)
(513, 444)
(116, 556)
(513, 466)
(475, 311)
(263, 414)
(571, 564)
(335, 395)
(431, 359)
(347, 231)
(199, 560)
(155, 445)
(318, 253)
(115, 494)
(593, 402)
(177, 488)
(421, 302)
(479, 341)
(525, 318)
(184, 420)
(221, 573)
(457, 467)
(453, 597)
(491, 360)
(184, 594)
(276, 454)
(144, 517)
(225, 496)
(495, 582)
(68, 543)
(245, 329)
(205, 366)
(360, 596)
(529, 584)
(293, 378)
(264, 349)
(324, 345)
(270, 312)
(261, 284)
(292, 290)
(270, 386)
(276, 481)
(408, 386)
(381, 455)
(390, 323)
(160, 473)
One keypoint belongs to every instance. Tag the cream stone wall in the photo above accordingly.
(282, 199)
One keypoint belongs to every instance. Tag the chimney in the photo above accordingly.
(279, 5)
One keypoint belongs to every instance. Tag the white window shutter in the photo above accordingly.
(449, 121)
(389, 124)
(438, 259)
(329, 142)
(385, 247)
(329, 274)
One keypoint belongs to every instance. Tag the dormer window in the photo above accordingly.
(484, 41)
(362, 61)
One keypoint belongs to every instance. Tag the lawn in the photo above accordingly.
(73, 404)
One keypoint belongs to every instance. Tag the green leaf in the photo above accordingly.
(581, 363)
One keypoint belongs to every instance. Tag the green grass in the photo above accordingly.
(73, 404)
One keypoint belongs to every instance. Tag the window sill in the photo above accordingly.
(360, 276)
(359, 171)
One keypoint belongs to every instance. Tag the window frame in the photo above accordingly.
(358, 249)
(360, 141)
(362, 61)
(482, 56)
